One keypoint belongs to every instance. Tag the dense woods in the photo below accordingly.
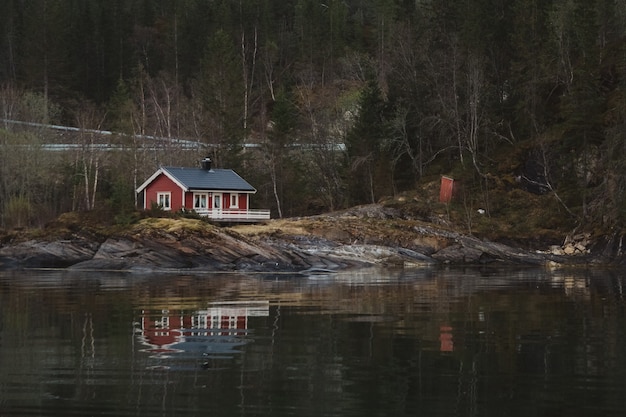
(320, 105)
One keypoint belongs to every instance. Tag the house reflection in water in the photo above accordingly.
(215, 331)
(445, 337)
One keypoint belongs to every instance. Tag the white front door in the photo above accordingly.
(217, 205)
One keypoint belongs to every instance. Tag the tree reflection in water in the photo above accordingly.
(369, 342)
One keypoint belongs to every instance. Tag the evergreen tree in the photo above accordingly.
(364, 147)
(9, 40)
(222, 89)
(530, 75)
(276, 147)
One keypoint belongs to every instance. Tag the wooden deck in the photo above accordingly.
(244, 216)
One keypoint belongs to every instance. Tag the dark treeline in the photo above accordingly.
(522, 92)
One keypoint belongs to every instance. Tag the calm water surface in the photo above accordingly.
(365, 343)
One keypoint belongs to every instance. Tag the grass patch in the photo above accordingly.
(173, 226)
(286, 226)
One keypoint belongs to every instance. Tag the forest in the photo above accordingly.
(320, 104)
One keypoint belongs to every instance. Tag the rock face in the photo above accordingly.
(349, 239)
(41, 254)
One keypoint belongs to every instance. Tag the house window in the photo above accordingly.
(164, 200)
(234, 200)
(200, 201)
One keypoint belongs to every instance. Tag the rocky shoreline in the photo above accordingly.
(369, 237)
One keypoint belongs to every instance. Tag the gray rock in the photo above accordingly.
(225, 250)
(458, 254)
(41, 254)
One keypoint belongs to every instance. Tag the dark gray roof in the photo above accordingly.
(214, 179)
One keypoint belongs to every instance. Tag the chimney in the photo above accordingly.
(206, 163)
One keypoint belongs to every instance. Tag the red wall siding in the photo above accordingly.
(189, 201)
(163, 184)
(243, 201)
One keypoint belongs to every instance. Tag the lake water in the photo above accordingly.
(424, 342)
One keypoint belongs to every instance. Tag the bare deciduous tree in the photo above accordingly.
(89, 156)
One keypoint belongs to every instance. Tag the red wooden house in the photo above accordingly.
(220, 194)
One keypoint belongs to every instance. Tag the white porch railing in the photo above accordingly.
(235, 215)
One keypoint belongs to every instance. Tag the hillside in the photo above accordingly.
(321, 106)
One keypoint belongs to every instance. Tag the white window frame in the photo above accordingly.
(198, 197)
(220, 200)
(234, 200)
(164, 197)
